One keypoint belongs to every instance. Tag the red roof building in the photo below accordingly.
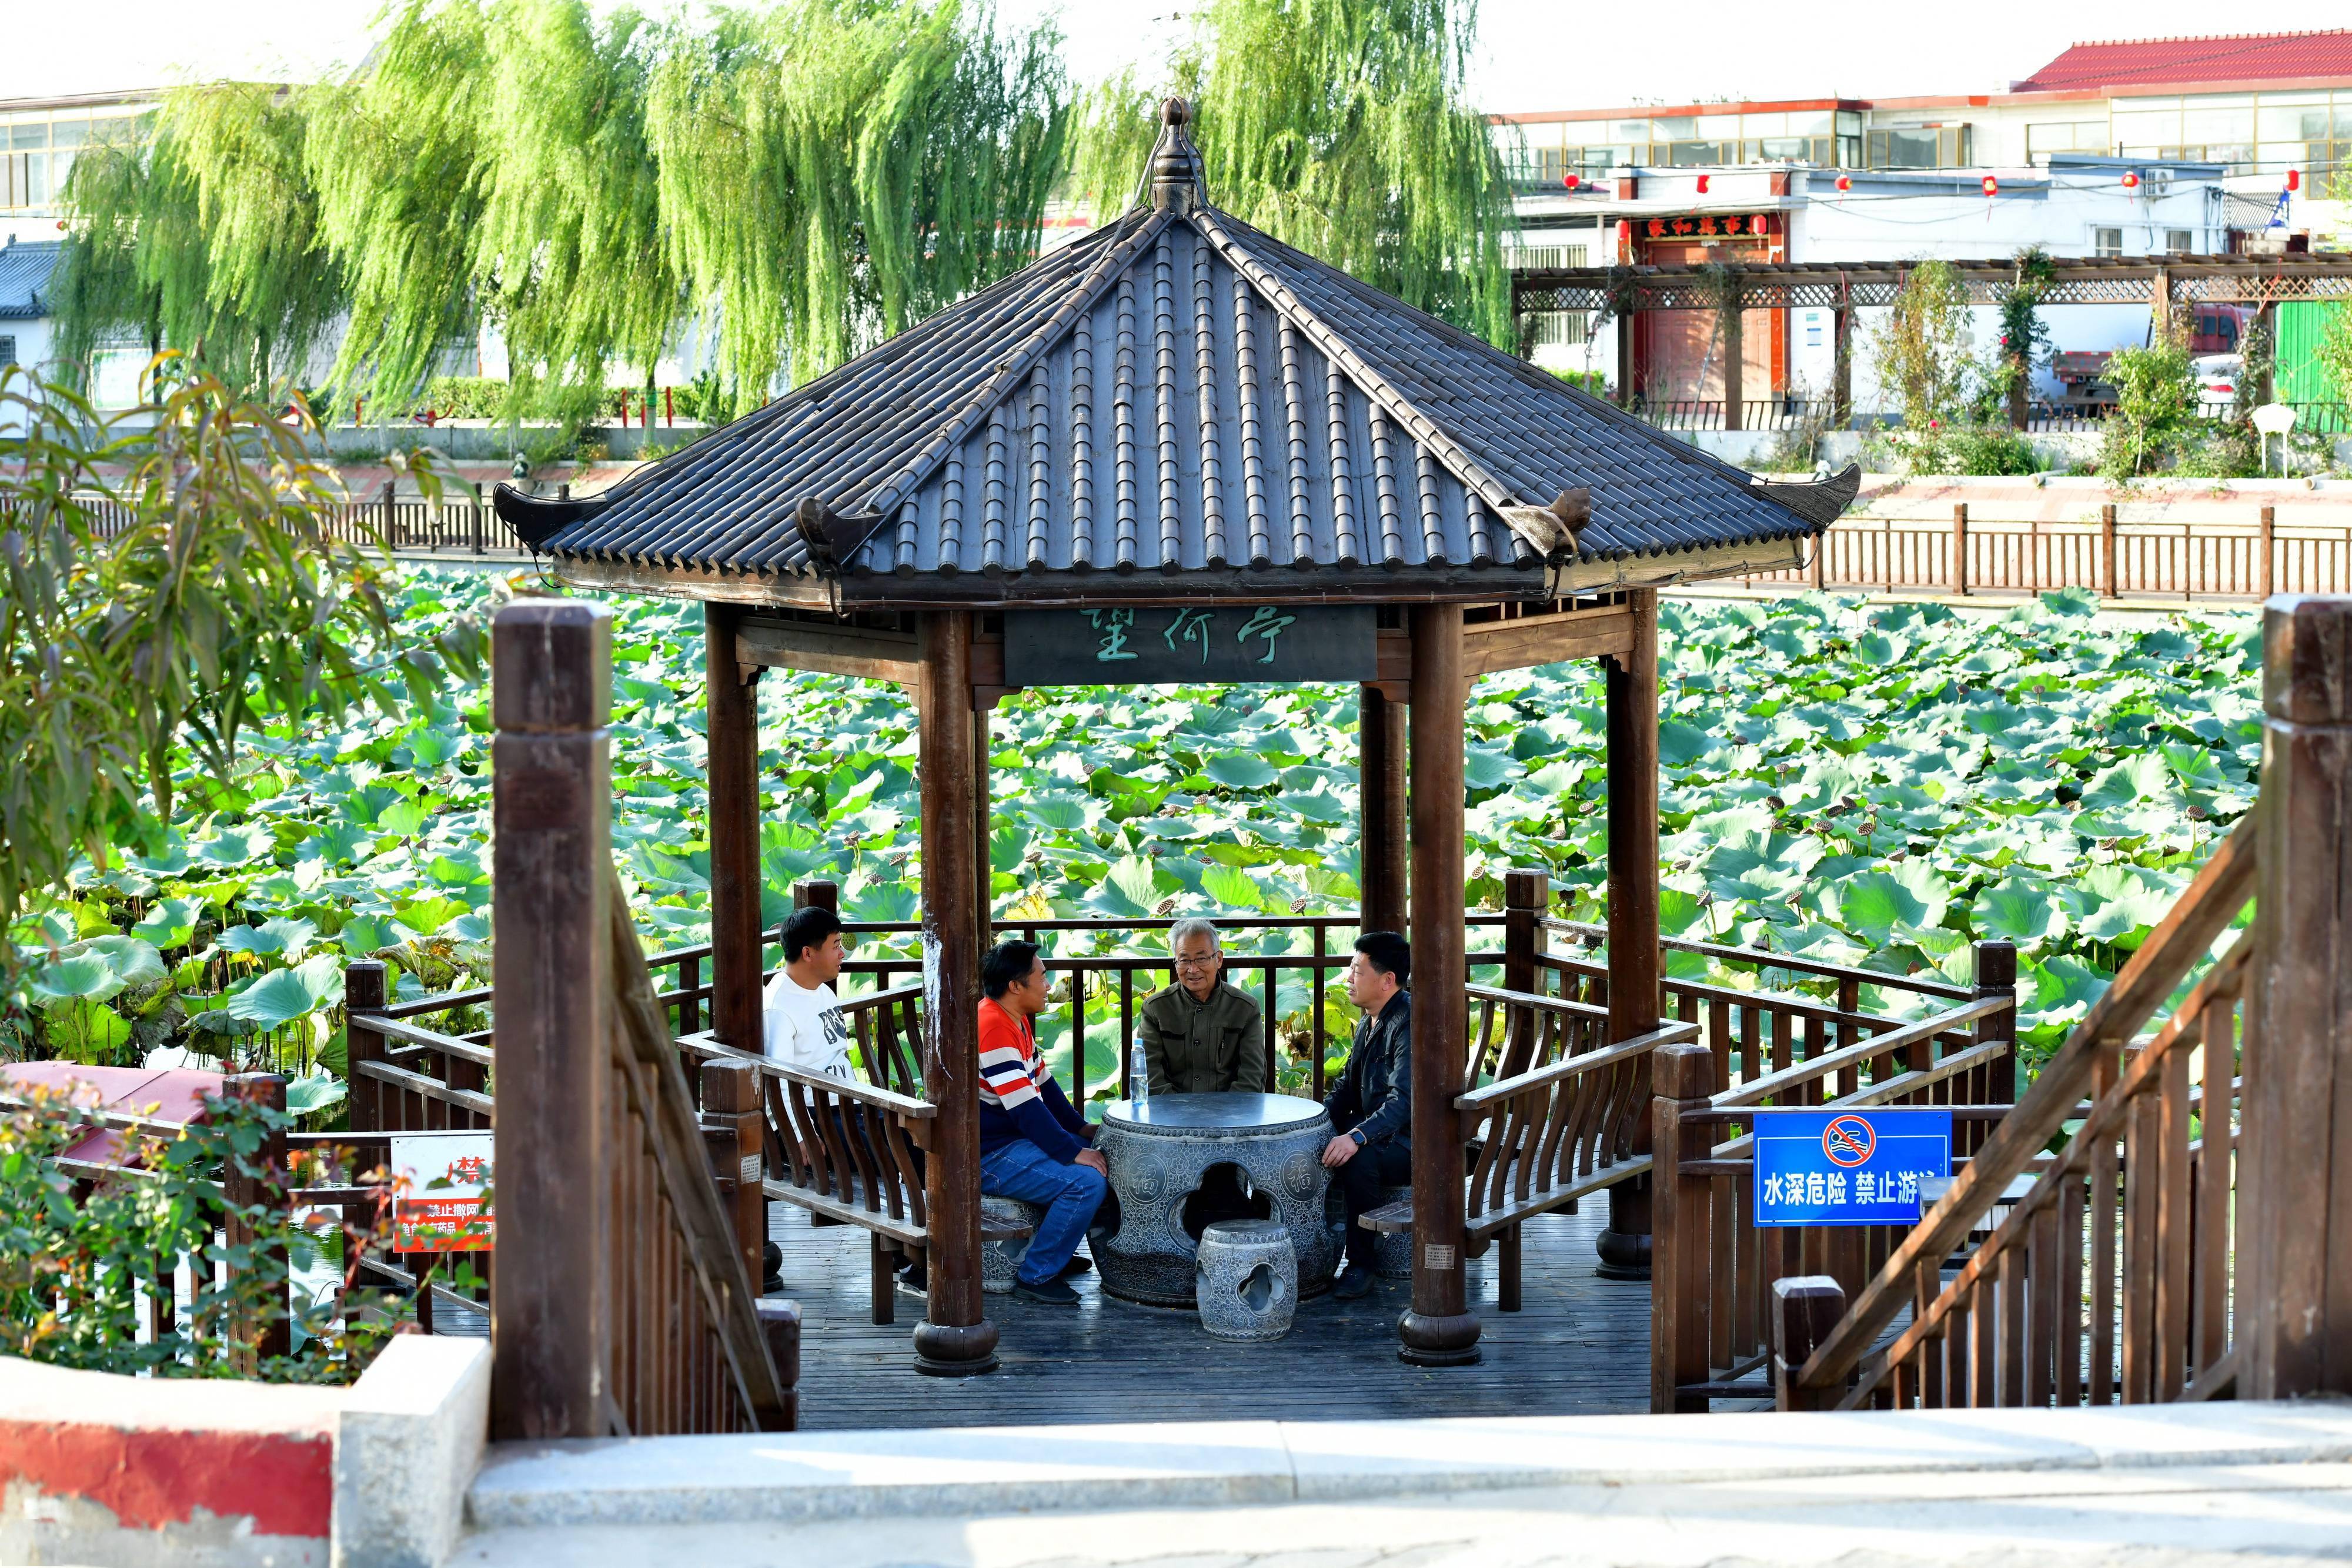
(2247, 58)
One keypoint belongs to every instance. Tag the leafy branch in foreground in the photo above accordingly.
(166, 577)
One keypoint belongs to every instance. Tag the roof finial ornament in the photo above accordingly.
(1173, 179)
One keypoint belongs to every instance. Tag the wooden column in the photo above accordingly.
(1681, 1079)
(1961, 549)
(955, 1339)
(1381, 858)
(733, 733)
(1731, 330)
(2108, 578)
(1842, 355)
(1629, 359)
(2295, 1211)
(984, 853)
(552, 987)
(1632, 688)
(2266, 553)
(1440, 1330)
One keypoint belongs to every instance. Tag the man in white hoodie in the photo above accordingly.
(802, 1026)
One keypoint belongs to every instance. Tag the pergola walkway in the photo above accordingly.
(1580, 1347)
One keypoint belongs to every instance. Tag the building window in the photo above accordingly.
(1920, 147)
(7, 351)
(1555, 328)
(2067, 136)
(2106, 242)
(1543, 257)
(2179, 242)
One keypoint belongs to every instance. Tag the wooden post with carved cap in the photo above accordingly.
(954, 1339)
(1440, 1330)
(733, 736)
(2294, 1244)
(553, 794)
(1630, 684)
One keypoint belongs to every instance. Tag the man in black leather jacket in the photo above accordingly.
(1371, 1105)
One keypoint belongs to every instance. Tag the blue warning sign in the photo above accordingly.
(1848, 1168)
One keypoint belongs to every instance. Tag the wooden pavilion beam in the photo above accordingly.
(955, 1339)
(1491, 646)
(732, 732)
(1440, 1330)
(1630, 682)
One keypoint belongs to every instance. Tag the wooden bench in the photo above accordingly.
(851, 1152)
(1556, 1121)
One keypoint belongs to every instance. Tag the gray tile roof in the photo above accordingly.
(24, 268)
(1176, 394)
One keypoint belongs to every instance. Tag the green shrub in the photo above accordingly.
(2155, 418)
(76, 1268)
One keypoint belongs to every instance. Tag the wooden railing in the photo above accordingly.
(1973, 550)
(1711, 1288)
(460, 523)
(2124, 1241)
(625, 1301)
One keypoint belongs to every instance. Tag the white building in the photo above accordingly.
(2169, 146)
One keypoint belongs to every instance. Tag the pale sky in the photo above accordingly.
(1535, 54)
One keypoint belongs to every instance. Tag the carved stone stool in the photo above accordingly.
(1247, 1279)
(998, 1259)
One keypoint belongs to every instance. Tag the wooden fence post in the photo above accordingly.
(1680, 1078)
(817, 894)
(2266, 562)
(2109, 577)
(736, 1132)
(474, 517)
(1996, 971)
(256, 1204)
(780, 1325)
(1527, 899)
(363, 994)
(1961, 549)
(550, 1304)
(1804, 1309)
(2295, 1300)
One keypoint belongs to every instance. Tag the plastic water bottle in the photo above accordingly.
(1139, 1078)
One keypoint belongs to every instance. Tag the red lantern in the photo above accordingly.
(1624, 236)
(2295, 179)
(1757, 224)
(2131, 179)
(1701, 185)
(1845, 181)
(1992, 185)
(1573, 181)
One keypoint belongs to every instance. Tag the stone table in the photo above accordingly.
(1180, 1163)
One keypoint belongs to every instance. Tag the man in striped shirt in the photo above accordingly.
(1033, 1144)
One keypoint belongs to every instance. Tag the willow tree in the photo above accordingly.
(832, 170)
(202, 234)
(1340, 127)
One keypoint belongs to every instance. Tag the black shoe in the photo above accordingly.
(1052, 1292)
(1353, 1284)
(1075, 1267)
(912, 1278)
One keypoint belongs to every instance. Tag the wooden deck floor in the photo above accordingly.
(1580, 1347)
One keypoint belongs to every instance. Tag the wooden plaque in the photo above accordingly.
(1235, 643)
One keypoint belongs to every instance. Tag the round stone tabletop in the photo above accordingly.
(1194, 1115)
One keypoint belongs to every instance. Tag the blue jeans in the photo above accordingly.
(1071, 1194)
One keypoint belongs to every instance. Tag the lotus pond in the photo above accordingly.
(1871, 784)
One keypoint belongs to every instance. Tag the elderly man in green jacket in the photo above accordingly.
(1200, 1035)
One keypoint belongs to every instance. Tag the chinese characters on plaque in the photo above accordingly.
(1122, 646)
